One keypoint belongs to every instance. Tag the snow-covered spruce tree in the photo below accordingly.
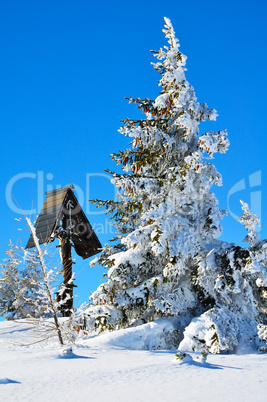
(20, 279)
(166, 213)
(167, 261)
(9, 284)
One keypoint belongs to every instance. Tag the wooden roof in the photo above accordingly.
(56, 214)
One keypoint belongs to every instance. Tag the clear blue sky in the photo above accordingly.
(65, 69)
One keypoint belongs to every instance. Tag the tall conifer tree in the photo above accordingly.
(166, 261)
(166, 213)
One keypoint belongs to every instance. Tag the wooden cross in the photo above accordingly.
(62, 217)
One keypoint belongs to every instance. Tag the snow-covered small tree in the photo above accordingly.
(20, 281)
(9, 287)
(47, 289)
(28, 282)
(167, 261)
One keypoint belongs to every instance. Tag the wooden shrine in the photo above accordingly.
(62, 217)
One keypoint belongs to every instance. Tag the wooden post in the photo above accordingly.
(66, 306)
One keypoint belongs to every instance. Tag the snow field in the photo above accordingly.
(100, 371)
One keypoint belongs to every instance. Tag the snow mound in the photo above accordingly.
(159, 334)
(67, 353)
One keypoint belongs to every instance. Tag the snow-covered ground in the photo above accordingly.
(102, 370)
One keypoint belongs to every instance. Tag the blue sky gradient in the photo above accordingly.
(65, 69)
